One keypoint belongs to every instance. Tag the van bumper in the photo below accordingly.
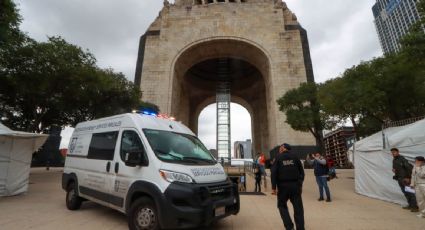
(194, 205)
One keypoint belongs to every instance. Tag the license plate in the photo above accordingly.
(220, 211)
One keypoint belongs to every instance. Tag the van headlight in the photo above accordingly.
(176, 177)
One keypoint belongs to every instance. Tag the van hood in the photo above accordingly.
(202, 174)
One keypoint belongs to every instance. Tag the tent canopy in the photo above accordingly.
(410, 140)
(373, 163)
(16, 150)
(371, 143)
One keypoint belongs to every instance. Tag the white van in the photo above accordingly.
(154, 170)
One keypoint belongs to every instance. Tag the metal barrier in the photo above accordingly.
(388, 124)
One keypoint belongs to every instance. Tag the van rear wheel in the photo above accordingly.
(73, 201)
(143, 215)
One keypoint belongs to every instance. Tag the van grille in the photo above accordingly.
(220, 191)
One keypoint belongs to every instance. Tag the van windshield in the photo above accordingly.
(178, 147)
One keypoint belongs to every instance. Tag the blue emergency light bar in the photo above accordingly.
(153, 113)
(146, 112)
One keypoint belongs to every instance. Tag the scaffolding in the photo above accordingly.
(337, 144)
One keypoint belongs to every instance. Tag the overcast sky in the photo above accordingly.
(341, 34)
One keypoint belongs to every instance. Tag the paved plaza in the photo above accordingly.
(43, 207)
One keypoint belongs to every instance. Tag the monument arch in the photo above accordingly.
(257, 47)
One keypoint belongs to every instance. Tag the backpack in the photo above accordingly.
(331, 173)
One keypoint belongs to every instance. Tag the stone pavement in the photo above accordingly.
(43, 207)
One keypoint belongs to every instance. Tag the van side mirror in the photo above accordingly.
(133, 159)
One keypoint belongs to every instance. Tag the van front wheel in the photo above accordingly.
(143, 215)
(73, 201)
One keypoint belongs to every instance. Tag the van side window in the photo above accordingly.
(130, 142)
(102, 146)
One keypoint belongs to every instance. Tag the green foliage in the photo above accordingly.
(9, 22)
(54, 83)
(413, 44)
(57, 83)
(352, 96)
(383, 89)
(387, 88)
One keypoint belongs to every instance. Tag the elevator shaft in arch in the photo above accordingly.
(223, 99)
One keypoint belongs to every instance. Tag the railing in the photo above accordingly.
(389, 124)
(236, 172)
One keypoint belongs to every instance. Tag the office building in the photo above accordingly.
(243, 149)
(393, 19)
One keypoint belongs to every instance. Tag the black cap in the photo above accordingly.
(287, 146)
(420, 158)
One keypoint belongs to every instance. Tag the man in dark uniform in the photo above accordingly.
(287, 175)
(402, 173)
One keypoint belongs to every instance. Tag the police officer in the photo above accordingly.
(287, 175)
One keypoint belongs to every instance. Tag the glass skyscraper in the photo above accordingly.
(393, 19)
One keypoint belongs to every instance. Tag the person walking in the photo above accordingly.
(418, 182)
(287, 175)
(321, 171)
(402, 170)
(257, 179)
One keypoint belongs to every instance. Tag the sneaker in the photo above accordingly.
(320, 199)
(328, 200)
(416, 209)
(420, 216)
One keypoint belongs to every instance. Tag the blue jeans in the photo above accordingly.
(322, 182)
(263, 170)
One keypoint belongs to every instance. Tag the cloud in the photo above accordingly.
(109, 29)
(341, 33)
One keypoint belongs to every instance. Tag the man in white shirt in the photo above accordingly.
(418, 182)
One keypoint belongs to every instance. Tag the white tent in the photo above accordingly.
(16, 150)
(373, 162)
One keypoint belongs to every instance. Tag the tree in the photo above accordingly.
(54, 83)
(413, 43)
(352, 96)
(403, 84)
(386, 88)
(303, 112)
(9, 24)
(391, 87)
(57, 83)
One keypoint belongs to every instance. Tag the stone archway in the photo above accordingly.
(195, 79)
(260, 39)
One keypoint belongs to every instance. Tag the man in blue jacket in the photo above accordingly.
(321, 172)
(287, 175)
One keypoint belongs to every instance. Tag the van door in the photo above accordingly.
(96, 176)
(130, 141)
